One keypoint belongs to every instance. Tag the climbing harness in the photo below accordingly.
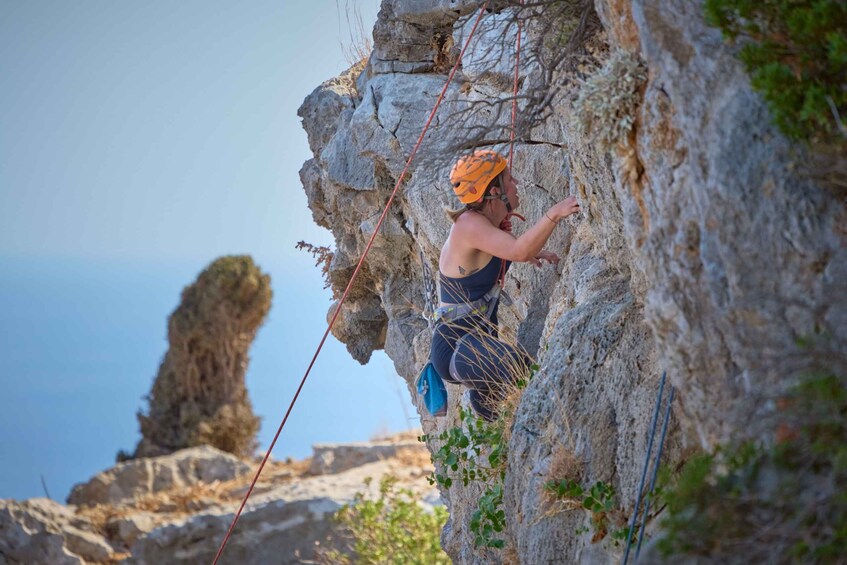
(658, 460)
(482, 306)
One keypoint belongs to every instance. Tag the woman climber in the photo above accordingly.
(472, 266)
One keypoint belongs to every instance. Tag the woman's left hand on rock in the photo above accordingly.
(545, 256)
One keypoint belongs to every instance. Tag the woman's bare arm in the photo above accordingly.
(474, 231)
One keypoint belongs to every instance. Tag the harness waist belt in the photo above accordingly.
(483, 306)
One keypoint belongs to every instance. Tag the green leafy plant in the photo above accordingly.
(768, 501)
(796, 54)
(598, 500)
(475, 452)
(489, 519)
(567, 489)
(393, 528)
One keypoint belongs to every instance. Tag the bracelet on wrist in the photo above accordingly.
(551, 219)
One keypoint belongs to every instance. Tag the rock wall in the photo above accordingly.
(700, 249)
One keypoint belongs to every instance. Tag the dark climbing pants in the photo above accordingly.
(467, 352)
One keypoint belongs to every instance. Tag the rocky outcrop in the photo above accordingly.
(701, 250)
(177, 509)
(43, 531)
(749, 255)
(281, 524)
(141, 477)
(199, 396)
(334, 458)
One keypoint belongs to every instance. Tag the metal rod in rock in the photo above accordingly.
(644, 472)
(655, 474)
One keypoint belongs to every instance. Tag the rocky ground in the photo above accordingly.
(177, 508)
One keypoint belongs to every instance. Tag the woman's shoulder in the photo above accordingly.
(470, 222)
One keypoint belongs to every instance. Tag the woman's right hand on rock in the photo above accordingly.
(565, 208)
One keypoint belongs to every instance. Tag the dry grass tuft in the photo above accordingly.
(565, 463)
(444, 58)
(322, 255)
(511, 556)
(358, 46)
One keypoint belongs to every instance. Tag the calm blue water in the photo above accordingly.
(81, 341)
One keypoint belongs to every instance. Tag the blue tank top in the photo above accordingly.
(470, 288)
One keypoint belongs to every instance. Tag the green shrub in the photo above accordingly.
(772, 501)
(598, 501)
(796, 54)
(199, 395)
(393, 529)
(476, 452)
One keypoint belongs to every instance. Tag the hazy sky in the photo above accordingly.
(140, 140)
(160, 129)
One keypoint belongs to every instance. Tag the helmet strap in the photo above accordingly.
(503, 197)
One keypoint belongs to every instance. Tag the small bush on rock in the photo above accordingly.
(608, 99)
(394, 528)
(796, 55)
(768, 502)
(476, 452)
(598, 500)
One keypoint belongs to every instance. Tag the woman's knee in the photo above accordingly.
(482, 405)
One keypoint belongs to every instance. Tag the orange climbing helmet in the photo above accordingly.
(472, 174)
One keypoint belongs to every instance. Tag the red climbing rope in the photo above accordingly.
(352, 280)
(501, 278)
(515, 92)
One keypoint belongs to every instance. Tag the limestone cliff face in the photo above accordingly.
(700, 249)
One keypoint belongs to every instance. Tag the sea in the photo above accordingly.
(81, 340)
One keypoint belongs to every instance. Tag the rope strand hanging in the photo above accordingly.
(515, 92)
(352, 280)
